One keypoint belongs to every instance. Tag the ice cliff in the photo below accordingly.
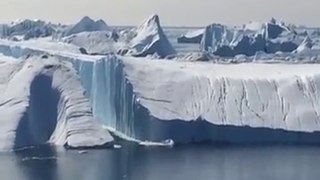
(244, 103)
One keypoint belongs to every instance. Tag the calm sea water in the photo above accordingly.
(178, 163)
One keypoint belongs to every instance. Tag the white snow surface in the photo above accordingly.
(42, 102)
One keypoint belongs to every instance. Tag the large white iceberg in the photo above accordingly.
(43, 102)
(150, 39)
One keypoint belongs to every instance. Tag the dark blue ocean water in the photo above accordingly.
(179, 163)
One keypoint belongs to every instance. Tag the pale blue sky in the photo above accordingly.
(172, 12)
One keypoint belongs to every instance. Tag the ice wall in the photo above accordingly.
(191, 102)
(226, 103)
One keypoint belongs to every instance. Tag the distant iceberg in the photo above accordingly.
(86, 24)
(191, 37)
(146, 40)
(272, 37)
(27, 29)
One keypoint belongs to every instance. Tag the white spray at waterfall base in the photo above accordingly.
(164, 143)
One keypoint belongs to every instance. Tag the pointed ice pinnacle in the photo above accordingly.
(305, 45)
(307, 42)
(150, 39)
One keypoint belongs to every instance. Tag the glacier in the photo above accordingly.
(228, 103)
(43, 102)
(252, 97)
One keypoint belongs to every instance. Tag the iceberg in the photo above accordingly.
(150, 39)
(216, 36)
(27, 29)
(274, 29)
(191, 37)
(273, 37)
(43, 102)
(146, 39)
(86, 24)
(95, 43)
(305, 45)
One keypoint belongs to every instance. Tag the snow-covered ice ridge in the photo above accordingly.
(159, 100)
(42, 101)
